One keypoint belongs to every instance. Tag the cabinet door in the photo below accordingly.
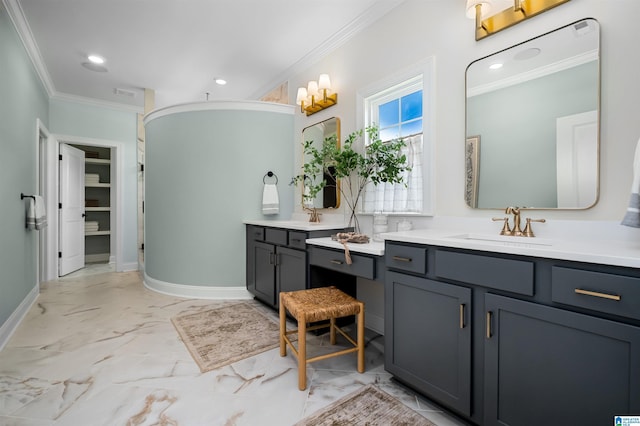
(546, 366)
(250, 265)
(291, 270)
(428, 338)
(264, 272)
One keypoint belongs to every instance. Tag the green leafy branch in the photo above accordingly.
(377, 162)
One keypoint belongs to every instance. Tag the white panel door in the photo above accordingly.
(72, 209)
(577, 159)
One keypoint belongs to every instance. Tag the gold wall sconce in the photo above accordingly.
(317, 96)
(488, 22)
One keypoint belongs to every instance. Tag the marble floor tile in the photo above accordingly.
(98, 348)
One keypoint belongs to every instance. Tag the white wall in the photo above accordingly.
(439, 28)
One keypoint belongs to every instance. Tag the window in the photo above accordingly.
(400, 108)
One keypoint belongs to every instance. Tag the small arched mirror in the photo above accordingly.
(532, 128)
(329, 197)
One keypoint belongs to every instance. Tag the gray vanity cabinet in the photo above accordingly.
(277, 261)
(547, 366)
(428, 338)
(513, 340)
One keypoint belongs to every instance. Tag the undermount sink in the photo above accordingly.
(504, 240)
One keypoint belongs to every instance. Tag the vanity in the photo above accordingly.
(499, 330)
(279, 258)
(515, 332)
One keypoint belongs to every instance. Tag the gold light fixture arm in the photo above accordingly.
(521, 10)
(316, 96)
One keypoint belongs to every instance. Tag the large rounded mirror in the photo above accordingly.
(318, 133)
(532, 122)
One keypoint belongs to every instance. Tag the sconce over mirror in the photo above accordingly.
(532, 122)
(316, 96)
(329, 196)
(492, 16)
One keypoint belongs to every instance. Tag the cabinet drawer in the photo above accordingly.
(276, 236)
(599, 291)
(255, 232)
(406, 258)
(361, 266)
(297, 239)
(511, 275)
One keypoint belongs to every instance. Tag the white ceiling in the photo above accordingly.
(178, 47)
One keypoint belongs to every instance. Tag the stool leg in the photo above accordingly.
(361, 339)
(283, 328)
(332, 331)
(302, 353)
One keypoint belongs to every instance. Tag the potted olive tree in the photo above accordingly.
(352, 168)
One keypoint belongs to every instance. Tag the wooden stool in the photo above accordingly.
(319, 304)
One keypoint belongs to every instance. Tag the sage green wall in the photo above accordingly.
(101, 122)
(23, 100)
(203, 177)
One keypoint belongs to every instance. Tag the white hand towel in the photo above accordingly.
(36, 215)
(270, 200)
(632, 217)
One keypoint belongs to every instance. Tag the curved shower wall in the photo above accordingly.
(204, 169)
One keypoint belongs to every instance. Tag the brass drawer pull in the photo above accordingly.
(336, 262)
(462, 315)
(598, 294)
(401, 259)
(489, 324)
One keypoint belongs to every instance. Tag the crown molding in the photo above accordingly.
(220, 105)
(26, 36)
(96, 102)
(374, 13)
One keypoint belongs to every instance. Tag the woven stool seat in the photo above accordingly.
(313, 305)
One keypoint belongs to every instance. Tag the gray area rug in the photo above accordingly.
(224, 335)
(367, 406)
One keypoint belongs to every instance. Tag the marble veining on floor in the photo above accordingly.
(98, 348)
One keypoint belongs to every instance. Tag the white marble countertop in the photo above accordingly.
(296, 225)
(580, 245)
(373, 247)
(608, 252)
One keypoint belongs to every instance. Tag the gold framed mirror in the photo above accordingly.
(535, 106)
(329, 197)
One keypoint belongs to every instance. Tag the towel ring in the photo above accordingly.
(269, 174)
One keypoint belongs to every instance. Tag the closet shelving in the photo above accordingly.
(98, 206)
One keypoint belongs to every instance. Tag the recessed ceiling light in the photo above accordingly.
(94, 67)
(96, 59)
(495, 66)
(220, 81)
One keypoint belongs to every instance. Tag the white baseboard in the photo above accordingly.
(132, 266)
(374, 322)
(195, 291)
(11, 324)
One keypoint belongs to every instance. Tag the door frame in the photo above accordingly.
(52, 196)
(47, 265)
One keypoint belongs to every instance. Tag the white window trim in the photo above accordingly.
(427, 69)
